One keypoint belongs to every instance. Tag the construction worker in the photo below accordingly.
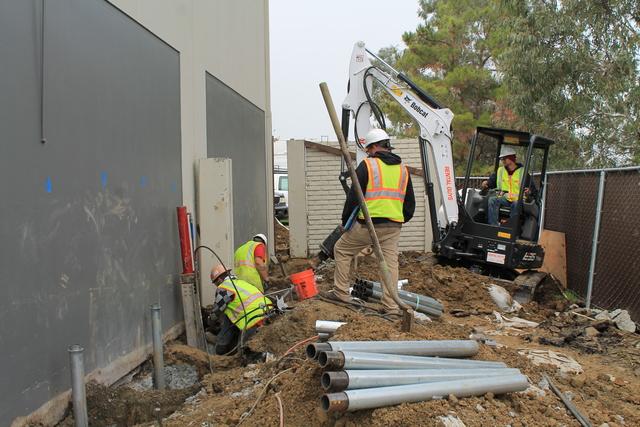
(244, 308)
(251, 262)
(507, 182)
(389, 197)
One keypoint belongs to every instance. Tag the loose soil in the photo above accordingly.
(607, 391)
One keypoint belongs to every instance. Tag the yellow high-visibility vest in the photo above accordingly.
(248, 307)
(510, 184)
(245, 264)
(386, 189)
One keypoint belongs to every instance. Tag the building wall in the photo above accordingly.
(324, 198)
(229, 40)
(88, 238)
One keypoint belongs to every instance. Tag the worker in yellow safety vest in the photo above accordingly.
(244, 307)
(388, 192)
(506, 180)
(251, 262)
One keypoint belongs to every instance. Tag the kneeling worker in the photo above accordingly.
(251, 262)
(244, 308)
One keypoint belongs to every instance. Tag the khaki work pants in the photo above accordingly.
(354, 241)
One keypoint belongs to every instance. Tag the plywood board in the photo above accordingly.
(555, 255)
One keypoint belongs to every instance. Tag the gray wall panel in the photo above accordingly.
(88, 237)
(235, 129)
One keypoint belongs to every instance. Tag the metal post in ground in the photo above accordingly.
(78, 392)
(158, 361)
(596, 233)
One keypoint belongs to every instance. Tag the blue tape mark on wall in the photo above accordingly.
(174, 186)
(143, 181)
(103, 179)
(47, 185)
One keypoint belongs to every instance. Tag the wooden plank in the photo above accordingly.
(555, 255)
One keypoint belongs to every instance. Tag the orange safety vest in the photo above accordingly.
(386, 189)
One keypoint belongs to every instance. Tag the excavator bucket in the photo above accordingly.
(525, 285)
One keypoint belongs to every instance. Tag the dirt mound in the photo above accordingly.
(233, 392)
(456, 288)
(282, 238)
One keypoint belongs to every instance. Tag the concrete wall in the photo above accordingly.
(235, 130)
(316, 209)
(229, 40)
(88, 237)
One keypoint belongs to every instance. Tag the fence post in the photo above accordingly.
(596, 232)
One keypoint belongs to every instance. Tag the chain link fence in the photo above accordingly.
(571, 208)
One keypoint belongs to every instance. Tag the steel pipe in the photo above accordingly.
(158, 359)
(337, 360)
(78, 392)
(442, 348)
(354, 400)
(327, 326)
(323, 336)
(356, 379)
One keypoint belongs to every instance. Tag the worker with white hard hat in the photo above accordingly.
(251, 262)
(388, 193)
(506, 181)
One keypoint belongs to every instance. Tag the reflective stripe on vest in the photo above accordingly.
(510, 184)
(245, 266)
(386, 189)
(248, 306)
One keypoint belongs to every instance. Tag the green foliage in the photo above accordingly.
(571, 70)
(568, 70)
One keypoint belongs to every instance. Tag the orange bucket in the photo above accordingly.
(305, 284)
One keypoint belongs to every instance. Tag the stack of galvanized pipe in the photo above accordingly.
(365, 289)
(371, 374)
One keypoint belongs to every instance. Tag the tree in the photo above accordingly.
(451, 56)
(565, 69)
(571, 71)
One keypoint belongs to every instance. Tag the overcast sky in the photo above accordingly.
(311, 42)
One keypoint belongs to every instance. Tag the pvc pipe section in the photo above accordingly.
(327, 326)
(78, 392)
(336, 360)
(410, 296)
(414, 305)
(442, 348)
(158, 358)
(356, 379)
(353, 400)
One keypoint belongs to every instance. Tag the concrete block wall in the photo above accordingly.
(316, 208)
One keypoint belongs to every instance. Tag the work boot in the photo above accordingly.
(333, 295)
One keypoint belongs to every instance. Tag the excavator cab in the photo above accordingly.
(513, 243)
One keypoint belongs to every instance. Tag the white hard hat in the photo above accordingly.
(374, 136)
(507, 151)
(261, 237)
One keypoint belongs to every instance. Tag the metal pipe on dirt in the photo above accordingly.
(416, 306)
(158, 359)
(357, 379)
(391, 288)
(78, 392)
(405, 295)
(442, 348)
(595, 241)
(338, 360)
(353, 400)
(327, 326)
